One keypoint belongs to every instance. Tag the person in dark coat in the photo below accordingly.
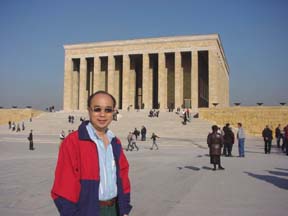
(278, 135)
(229, 139)
(30, 138)
(267, 136)
(143, 133)
(137, 133)
(285, 137)
(215, 143)
(185, 119)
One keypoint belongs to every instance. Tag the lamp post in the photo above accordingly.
(259, 104)
(215, 104)
(282, 103)
(237, 104)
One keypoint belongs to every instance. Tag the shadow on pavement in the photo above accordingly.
(278, 173)
(189, 167)
(282, 169)
(277, 181)
(206, 168)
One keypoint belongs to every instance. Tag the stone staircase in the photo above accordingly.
(168, 126)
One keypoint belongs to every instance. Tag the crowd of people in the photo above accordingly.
(281, 135)
(154, 113)
(17, 128)
(225, 139)
(132, 139)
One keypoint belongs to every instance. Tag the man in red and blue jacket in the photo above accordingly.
(79, 178)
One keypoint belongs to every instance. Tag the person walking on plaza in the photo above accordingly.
(229, 139)
(13, 126)
(215, 143)
(225, 144)
(241, 140)
(185, 118)
(129, 146)
(18, 128)
(62, 135)
(9, 124)
(285, 137)
(283, 146)
(143, 133)
(267, 136)
(91, 176)
(278, 135)
(30, 138)
(154, 137)
(136, 132)
(133, 142)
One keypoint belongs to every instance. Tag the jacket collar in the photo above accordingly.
(82, 131)
(84, 135)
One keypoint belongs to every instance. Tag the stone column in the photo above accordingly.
(212, 74)
(194, 80)
(162, 81)
(145, 82)
(75, 89)
(82, 84)
(125, 81)
(91, 77)
(96, 77)
(117, 82)
(150, 85)
(132, 83)
(67, 97)
(111, 74)
(178, 81)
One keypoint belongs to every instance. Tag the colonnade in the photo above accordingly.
(142, 80)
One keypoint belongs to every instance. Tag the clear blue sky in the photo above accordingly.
(254, 34)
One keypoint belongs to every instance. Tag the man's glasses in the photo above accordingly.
(99, 109)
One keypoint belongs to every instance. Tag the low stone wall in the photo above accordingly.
(17, 115)
(253, 118)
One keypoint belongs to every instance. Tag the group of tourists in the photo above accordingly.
(71, 119)
(218, 139)
(133, 137)
(282, 135)
(154, 113)
(12, 126)
(51, 109)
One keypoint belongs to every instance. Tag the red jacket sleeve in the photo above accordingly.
(124, 172)
(67, 173)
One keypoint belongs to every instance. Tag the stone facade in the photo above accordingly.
(17, 115)
(182, 71)
(253, 118)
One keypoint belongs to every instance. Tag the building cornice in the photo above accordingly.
(142, 41)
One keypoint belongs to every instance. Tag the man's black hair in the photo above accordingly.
(101, 92)
(214, 128)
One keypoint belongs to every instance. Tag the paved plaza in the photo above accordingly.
(176, 180)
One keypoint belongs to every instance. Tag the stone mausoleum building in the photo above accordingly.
(180, 71)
